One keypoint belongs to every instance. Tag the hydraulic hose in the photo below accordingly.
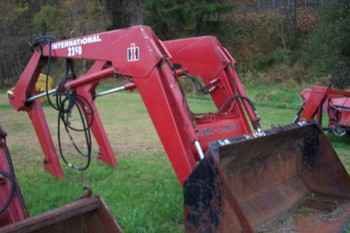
(65, 102)
(227, 103)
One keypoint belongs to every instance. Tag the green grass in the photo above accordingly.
(142, 191)
(279, 96)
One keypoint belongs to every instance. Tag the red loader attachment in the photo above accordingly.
(88, 215)
(237, 178)
(339, 113)
(290, 180)
(318, 100)
(12, 207)
(137, 53)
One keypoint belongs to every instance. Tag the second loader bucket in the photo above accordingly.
(289, 181)
(87, 215)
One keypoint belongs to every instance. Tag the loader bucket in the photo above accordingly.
(289, 181)
(87, 215)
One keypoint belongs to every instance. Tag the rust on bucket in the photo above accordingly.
(290, 180)
(87, 215)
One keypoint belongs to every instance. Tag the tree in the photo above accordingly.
(178, 18)
(46, 20)
(328, 50)
(292, 20)
(124, 13)
(15, 29)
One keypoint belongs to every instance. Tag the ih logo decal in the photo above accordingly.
(133, 53)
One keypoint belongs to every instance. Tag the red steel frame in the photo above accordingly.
(316, 99)
(207, 59)
(16, 210)
(150, 65)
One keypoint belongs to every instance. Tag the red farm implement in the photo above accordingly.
(88, 214)
(336, 103)
(236, 177)
(11, 201)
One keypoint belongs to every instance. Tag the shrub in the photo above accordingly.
(341, 75)
(328, 47)
(180, 18)
(259, 40)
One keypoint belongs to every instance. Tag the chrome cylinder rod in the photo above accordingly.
(42, 94)
(110, 91)
(99, 94)
(199, 150)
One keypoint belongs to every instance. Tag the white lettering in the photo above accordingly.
(76, 42)
(75, 51)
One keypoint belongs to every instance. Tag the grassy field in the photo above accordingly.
(142, 191)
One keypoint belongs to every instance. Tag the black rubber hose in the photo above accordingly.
(84, 108)
(63, 117)
(231, 99)
(256, 124)
(297, 118)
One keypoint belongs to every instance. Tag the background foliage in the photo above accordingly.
(328, 48)
(258, 33)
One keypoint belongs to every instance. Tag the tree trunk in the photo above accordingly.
(135, 12)
(292, 19)
(125, 13)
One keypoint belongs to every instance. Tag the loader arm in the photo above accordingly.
(216, 70)
(137, 53)
(207, 59)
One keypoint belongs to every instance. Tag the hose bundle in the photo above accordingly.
(66, 101)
